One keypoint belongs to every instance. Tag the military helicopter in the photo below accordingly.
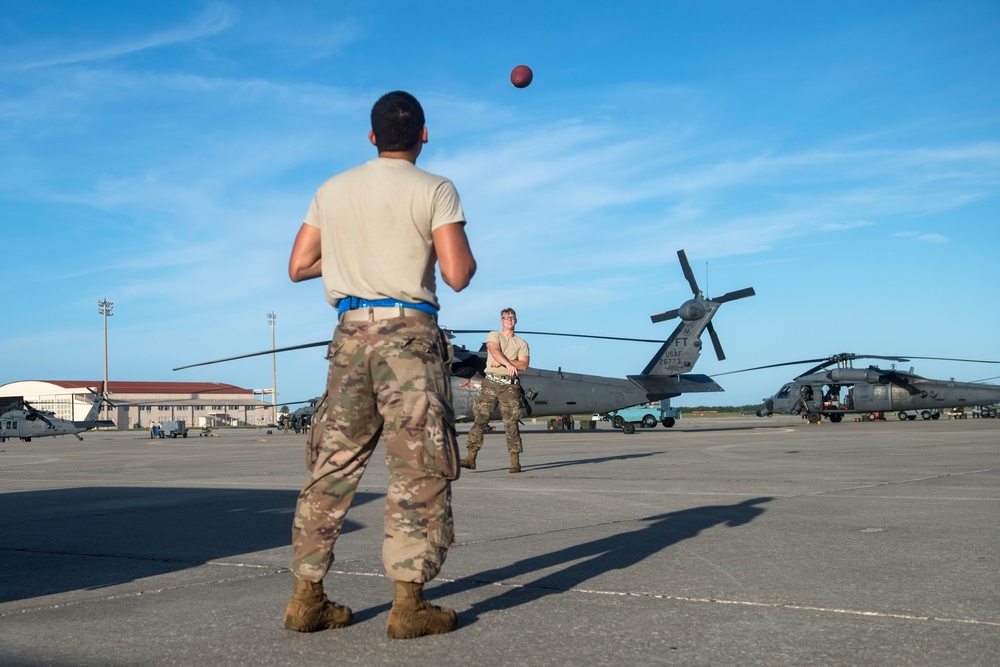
(549, 393)
(27, 422)
(872, 390)
(299, 420)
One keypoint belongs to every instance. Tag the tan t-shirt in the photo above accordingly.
(513, 347)
(376, 223)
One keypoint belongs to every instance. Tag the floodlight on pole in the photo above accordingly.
(274, 369)
(104, 308)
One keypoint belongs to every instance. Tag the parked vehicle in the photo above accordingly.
(646, 415)
(173, 428)
(911, 415)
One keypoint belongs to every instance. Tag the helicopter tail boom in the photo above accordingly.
(668, 386)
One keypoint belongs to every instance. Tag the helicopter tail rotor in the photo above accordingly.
(701, 308)
(732, 296)
(715, 342)
(689, 274)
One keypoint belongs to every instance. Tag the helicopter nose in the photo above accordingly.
(766, 409)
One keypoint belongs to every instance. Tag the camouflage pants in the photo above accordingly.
(508, 396)
(391, 378)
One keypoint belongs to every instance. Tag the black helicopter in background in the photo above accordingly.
(816, 393)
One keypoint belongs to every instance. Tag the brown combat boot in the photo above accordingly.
(470, 460)
(515, 462)
(309, 609)
(413, 616)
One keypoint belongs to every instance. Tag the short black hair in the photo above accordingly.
(397, 121)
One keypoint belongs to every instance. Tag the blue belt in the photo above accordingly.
(353, 303)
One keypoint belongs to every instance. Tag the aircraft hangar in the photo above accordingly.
(142, 404)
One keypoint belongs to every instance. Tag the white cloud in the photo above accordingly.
(213, 20)
(926, 237)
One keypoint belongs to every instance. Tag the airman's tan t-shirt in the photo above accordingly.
(513, 347)
(376, 223)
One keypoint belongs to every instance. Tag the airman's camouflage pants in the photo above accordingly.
(391, 378)
(508, 396)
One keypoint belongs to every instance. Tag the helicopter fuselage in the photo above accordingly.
(26, 425)
(34, 423)
(554, 393)
(873, 390)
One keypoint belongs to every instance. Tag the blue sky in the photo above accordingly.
(841, 158)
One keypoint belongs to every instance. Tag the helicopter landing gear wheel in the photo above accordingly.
(628, 428)
(649, 421)
(618, 421)
(668, 422)
(813, 418)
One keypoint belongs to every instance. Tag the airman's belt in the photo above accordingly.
(376, 313)
(502, 379)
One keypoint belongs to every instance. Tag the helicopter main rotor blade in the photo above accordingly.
(568, 335)
(256, 354)
(732, 296)
(757, 368)
(850, 356)
(688, 273)
(715, 341)
(663, 317)
(973, 361)
(451, 331)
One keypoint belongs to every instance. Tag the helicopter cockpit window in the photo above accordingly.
(784, 391)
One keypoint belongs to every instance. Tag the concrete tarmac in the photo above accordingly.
(740, 541)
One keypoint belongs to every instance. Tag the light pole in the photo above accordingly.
(104, 308)
(274, 370)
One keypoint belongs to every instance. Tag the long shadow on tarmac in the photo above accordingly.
(71, 539)
(574, 462)
(615, 552)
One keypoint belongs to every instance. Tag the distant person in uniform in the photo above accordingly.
(374, 234)
(507, 354)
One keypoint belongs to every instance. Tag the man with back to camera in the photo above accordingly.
(374, 233)
(508, 354)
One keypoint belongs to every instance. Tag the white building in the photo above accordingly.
(142, 404)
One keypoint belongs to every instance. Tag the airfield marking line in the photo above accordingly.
(799, 607)
(30, 463)
(135, 594)
(746, 603)
(899, 481)
(500, 584)
(249, 485)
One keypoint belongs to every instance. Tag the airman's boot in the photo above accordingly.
(515, 462)
(309, 609)
(413, 616)
(470, 460)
